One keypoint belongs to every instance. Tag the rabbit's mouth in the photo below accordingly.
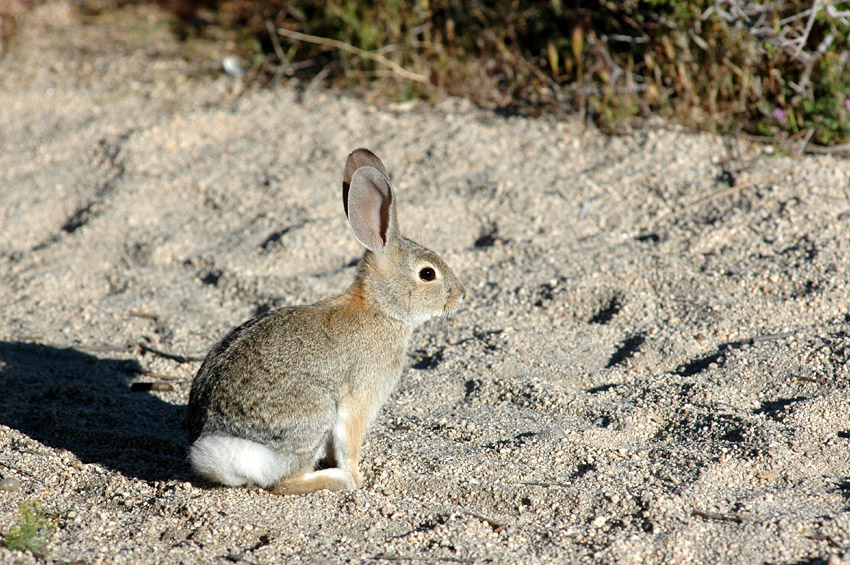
(416, 319)
(454, 302)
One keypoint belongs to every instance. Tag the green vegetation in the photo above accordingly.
(775, 68)
(33, 531)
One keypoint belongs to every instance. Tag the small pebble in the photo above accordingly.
(10, 484)
(232, 67)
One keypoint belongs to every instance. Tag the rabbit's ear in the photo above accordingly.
(371, 209)
(358, 158)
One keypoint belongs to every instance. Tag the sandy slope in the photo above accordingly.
(652, 365)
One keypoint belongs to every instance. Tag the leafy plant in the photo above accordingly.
(33, 531)
(777, 68)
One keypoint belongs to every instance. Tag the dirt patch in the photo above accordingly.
(651, 366)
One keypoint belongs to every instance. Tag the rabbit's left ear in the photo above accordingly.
(358, 158)
(371, 209)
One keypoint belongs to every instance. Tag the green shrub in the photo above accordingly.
(777, 68)
(33, 531)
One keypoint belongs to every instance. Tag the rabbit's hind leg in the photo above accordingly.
(343, 450)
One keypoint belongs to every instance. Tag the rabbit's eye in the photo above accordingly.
(427, 274)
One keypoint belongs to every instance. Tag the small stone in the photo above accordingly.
(10, 484)
(232, 66)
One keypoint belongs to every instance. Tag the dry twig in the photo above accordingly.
(835, 149)
(166, 355)
(496, 525)
(148, 387)
(390, 557)
(766, 337)
(541, 484)
(708, 198)
(278, 50)
(719, 516)
(806, 379)
(154, 375)
(348, 48)
(801, 148)
(144, 314)
(21, 471)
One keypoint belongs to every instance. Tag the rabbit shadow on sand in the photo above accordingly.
(72, 400)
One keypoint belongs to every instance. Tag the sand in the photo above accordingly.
(651, 366)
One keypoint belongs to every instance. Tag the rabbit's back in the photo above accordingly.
(273, 379)
(280, 377)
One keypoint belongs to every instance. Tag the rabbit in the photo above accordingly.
(290, 386)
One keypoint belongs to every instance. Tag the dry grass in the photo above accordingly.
(777, 70)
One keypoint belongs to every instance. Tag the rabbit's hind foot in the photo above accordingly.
(330, 479)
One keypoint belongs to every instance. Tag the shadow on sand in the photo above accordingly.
(72, 400)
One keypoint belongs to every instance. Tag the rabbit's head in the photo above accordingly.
(399, 277)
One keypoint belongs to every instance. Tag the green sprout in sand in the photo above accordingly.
(33, 531)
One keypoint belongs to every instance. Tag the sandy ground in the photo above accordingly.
(652, 366)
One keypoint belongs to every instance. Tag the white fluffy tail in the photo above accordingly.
(234, 461)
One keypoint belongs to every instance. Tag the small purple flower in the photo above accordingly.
(847, 104)
(779, 114)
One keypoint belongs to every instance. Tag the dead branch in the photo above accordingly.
(166, 355)
(348, 48)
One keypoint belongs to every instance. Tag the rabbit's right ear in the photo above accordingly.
(358, 158)
(371, 209)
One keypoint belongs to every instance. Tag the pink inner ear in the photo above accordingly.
(365, 206)
(370, 208)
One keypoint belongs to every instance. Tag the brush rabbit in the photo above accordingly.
(290, 386)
